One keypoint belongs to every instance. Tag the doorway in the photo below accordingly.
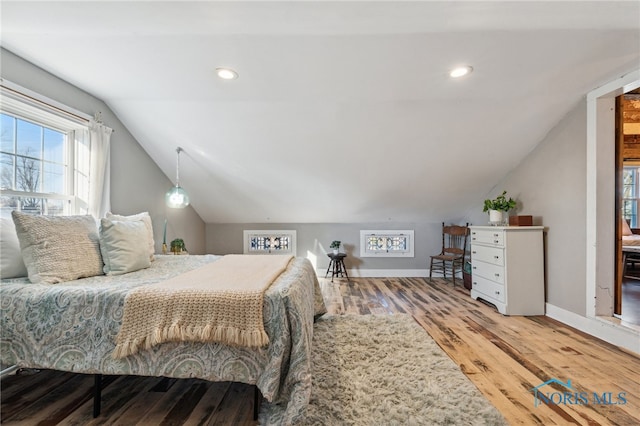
(627, 288)
(601, 216)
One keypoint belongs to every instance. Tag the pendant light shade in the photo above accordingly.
(177, 197)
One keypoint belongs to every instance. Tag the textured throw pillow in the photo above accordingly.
(11, 263)
(58, 248)
(121, 248)
(146, 219)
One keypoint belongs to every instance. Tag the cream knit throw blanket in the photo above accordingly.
(219, 302)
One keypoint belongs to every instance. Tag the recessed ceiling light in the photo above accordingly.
(460, 71)
(226, 73)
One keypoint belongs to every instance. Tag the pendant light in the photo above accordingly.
(176, 197)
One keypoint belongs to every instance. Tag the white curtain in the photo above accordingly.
(100, 181)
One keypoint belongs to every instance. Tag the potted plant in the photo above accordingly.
(498, 208)
(177, 246)
(335, 245)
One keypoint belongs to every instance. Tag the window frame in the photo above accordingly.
(247, 235)
(366, 234)
(23, 104)
(634, 200)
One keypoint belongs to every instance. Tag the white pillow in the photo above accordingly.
(11, 263)
(58, 248)
(120, 244)
(146, 219)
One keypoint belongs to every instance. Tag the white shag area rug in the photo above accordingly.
(385, 370)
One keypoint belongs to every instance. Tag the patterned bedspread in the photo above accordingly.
(72, 327)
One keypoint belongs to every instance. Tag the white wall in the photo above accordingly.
(566, 189)
(313, 241)
(137, 184)
(550, 185)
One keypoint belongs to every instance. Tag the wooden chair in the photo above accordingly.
(454, 250)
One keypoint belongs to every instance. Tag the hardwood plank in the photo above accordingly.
(118, 404)
(236, 407)
(488, 331)
(162, 403)
(57, 403)
(22, 390)
(185, 404)
(205, 410)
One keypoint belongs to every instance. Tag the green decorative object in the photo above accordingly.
(177, 246)
(498, 209)
(499, 203)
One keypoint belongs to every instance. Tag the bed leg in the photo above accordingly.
(257, 401)
(97, 390)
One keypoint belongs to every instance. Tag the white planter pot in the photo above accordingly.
(335, 251)
(496, 217)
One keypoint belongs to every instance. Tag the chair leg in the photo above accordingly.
(453, 272)
(444, 269)
(431, 270)
(344, 269)
(330, 262)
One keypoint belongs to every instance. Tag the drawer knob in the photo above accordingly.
(473, 252)
(496, 235)
(496, 257)
(496, 241)
(474, 267)
(497, 275)
(497, 292)
(475, 283)
(473, 233)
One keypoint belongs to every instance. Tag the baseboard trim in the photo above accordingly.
(381, 273)
(608, 330)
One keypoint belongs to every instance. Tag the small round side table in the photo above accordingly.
(336, 265)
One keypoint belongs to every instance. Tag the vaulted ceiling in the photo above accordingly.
(343, 111)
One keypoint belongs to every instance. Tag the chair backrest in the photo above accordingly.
(454, 239)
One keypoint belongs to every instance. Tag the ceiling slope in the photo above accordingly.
(343, 111)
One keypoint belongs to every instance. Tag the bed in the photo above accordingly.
(72, 326)
(629, 239)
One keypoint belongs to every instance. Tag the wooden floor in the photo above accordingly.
(504, 356)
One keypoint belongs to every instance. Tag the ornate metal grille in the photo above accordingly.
(276, 243)
(269, 242)
(386, 243)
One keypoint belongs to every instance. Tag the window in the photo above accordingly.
(44, 158)
(269, 242)
(386, 243)
(630, 195)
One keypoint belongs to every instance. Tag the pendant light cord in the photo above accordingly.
(178, 150)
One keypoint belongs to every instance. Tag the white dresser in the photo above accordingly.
(508, 268)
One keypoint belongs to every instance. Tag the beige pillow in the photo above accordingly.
(11, 263)
(58, 248)
(121, 248)
(146, 219)
(626, 231)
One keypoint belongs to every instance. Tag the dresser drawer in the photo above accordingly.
(488, 288)
(493, 255)
(488, 236)
(488, 271)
